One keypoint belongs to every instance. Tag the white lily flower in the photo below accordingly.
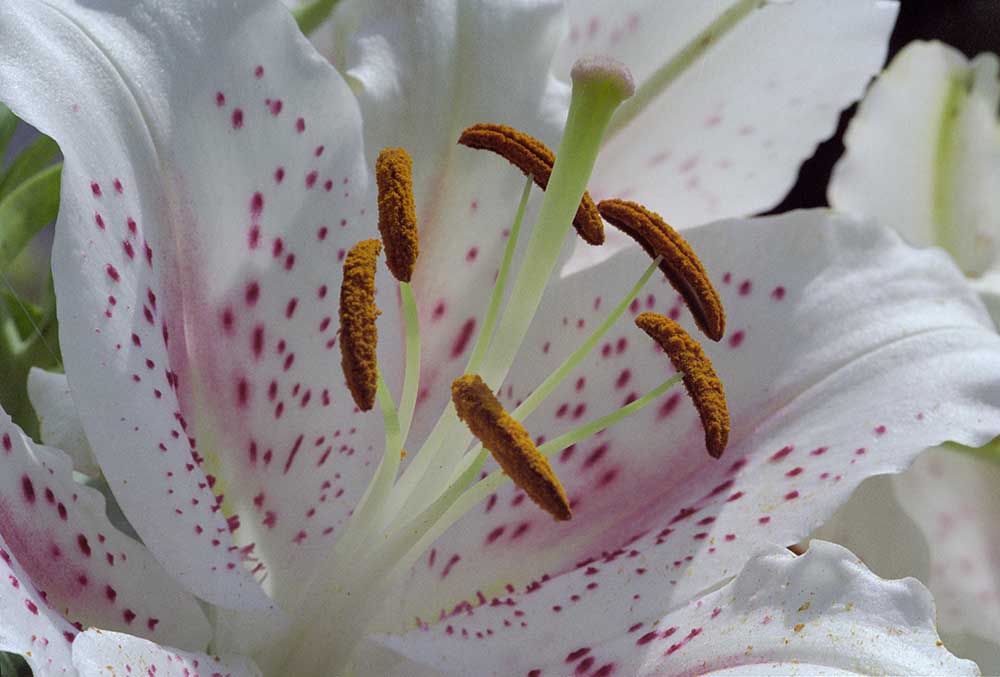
(923, 155)
(215, 172)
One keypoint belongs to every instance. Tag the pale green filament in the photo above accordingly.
(594, 101)
(497, 478)
(486, 332)
(668, 73)
(409, 489)
(411, 378)
(539, 394)
(372, 503)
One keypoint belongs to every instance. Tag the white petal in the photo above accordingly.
(727, 135)
(31, 627)
(214, 175)
(848, 353)
(936, 522)
(930, 97)
(97, 653)
(821, 613)
(955, 498)
(58, 421)
(89, 571)
(423, 72)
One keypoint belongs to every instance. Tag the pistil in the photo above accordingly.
(600, 85)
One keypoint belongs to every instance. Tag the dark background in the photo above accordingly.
(972, 26)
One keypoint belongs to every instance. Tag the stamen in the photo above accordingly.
(397, 214)
(703, 385)
(358, 333)
(509, 443)
(599, 86)
(416, 534)
(534, 159)
(679, 262)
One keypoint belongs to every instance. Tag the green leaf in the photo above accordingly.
(12, 665)
(26, 316)
(26, 210)
(8, 123)
(36, 157)
(311, 14)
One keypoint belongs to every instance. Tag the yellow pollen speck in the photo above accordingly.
(798, 627)
(535, 159)
(402, 454)
(804, 607)
(358, 333)
(397, 214)
(680, 264)
(700, 379)
(509, 443)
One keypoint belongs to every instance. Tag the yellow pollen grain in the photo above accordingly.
(509, 443)
(397, 214)
(535, 159)
(703, 385)
(358, 333)
(680, 264)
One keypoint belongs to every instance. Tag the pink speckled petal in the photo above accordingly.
(848, 353)
(727, 136)
(950, 500)
(58, 421)
(31, 627)
(954, 498)
(819, 614)
(98, 653)
(94, 575)
(423, 72)
(930, 95)
(214, 176)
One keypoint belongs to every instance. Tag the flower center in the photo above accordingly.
(400, 516)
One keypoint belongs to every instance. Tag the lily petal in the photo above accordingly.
(58, 421)
(213, 173)
(31, 627)
(832, 325)
(98, 653)
(954, 499)
(923, 153)
(821, 613)
(423, 72)
(720, 130)
(951, 498)
(85, 568)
